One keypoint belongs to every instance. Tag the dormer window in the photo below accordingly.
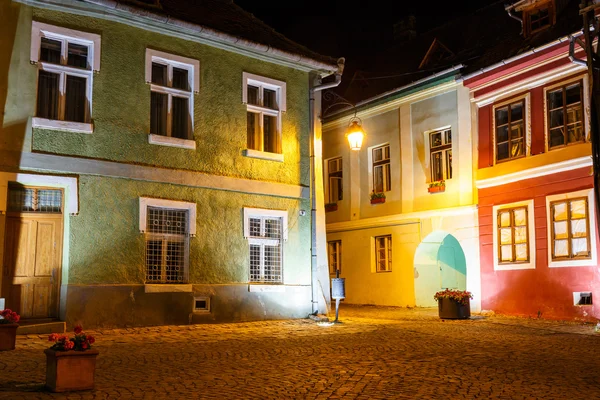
(537, 15)
(539, 18)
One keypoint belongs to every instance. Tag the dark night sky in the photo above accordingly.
(352, 27)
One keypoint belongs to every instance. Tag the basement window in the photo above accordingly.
(201, 304)
(582, 298)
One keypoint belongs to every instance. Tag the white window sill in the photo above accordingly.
(515, 266)
(262, 288)
(263, 155)
(68, 126)
(573, 263)
(171, 141)
(167, 288)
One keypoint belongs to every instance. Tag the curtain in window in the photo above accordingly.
(253, 131)
(272, 144)
(158, 113)
(181, 114)
(75, 99)
(47, 98)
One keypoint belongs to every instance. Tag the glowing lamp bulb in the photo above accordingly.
(355, 136)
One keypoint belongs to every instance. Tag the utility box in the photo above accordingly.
(338, 288)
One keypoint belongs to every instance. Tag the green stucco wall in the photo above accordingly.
(106, 246)
(121, 103)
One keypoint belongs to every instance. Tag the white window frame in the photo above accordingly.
(585, 110)
(280, 88)
(502, 103)
(265, 213)
(530, 231)
(372, 167)
(328, 178)
(389, 263)
(41, 30)
(193, 68)
(592, 261)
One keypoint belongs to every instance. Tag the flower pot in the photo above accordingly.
(70, 370)
(378, 200)
(436, 189)
(451, 309)
(331, 207)
(8, 336)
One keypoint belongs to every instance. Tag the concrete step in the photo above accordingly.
(41, 328)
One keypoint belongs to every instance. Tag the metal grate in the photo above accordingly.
(167, 245)
(265, 250)
(22, 199)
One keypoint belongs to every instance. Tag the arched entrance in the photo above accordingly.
(439, 264)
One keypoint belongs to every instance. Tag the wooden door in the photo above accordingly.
(32, 264)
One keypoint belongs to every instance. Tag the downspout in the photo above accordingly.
(510, 14)
(313, 190)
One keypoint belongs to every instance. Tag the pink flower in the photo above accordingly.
(78, 329)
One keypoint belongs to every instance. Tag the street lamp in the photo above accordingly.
(355, 134)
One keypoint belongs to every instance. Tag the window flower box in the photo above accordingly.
(329, 207)
(377, 198)
(437, 187)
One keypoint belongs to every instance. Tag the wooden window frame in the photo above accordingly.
(563, 88)
(499, 228)
(333, 175)
(446, 149)
(334, 247)
(527, 17)
(569, 233)
(509, 122)
(387, 251)
(386, 177)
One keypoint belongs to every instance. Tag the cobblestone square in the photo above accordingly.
(376, 353)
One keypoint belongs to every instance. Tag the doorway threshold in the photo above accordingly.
(39, 327)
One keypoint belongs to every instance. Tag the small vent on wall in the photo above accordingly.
(582, 298)
(201, 304)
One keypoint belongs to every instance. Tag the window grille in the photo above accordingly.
(440, 144)
(265, 249)
(381, 169)
(167, 245)
(22, 199)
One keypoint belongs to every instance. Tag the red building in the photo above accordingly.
(538, 235)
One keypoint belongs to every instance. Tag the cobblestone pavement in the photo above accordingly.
(376, 353)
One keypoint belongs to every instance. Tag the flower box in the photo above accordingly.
(452, 309)
(378, 200)
(8, 336)
(331, 207)
(70, 370)
(436, 189)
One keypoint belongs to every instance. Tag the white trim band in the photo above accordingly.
(162, 203)
(171, 141)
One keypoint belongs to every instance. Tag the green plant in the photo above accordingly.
(377, 195)
(460, 296)
(437, 183)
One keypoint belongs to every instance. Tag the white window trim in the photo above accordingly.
(370, 164)
(531, 239)
(92, 40)
(527, 127)
(146, 202)
(201, 310)
(193, 68)
(585, 110)
(426, 135)
(280, 88)
(592, 262)
(261, 212)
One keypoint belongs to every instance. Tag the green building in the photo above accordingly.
(155, 164)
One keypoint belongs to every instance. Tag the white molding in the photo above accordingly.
(39, 30)
(167, 288)
(407, 218)
(592, 262)
(57, 125)
(262, 212)
(163, 203)
(273, 84)
(75, 165)
(535, 172)
(69, 184)
(171, 141)
(178, 61)
(264, 155)
(262, 288)
(531, 243)
(201, 310)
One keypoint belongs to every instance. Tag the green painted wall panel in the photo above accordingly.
(106, 246)
(121, 104)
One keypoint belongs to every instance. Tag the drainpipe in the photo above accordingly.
(510, 14)
(313, 190)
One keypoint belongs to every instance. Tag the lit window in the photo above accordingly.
(569, 229)
(513, 236)
(383, 253)
(510, 131)
(265, 101)
(334, 171)
(441, 155)
(335, 256)
(538, 19)
(565, 115)
(381, 169)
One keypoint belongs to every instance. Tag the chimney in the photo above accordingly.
(405, 29)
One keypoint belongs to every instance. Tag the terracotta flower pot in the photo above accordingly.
(70, 370)
(378, 200)
(8, 336)
(436, 189)
(451, 309)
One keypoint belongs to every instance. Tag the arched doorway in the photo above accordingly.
(439, 264)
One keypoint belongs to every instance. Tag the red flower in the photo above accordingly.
(53, 337)
(69, 345)
(78, 329)
(91, 339)
(84, 345)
